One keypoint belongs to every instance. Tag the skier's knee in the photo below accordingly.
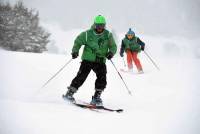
(101, 85)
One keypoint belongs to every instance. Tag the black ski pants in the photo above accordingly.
(84, 70)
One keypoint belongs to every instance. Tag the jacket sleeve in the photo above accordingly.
(112, 44)
(141, 43)
(122, 49)
(79, 41)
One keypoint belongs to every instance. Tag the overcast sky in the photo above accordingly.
(155, 17)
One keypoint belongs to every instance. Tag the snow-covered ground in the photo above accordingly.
(163, 102)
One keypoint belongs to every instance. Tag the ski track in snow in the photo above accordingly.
(163, 102)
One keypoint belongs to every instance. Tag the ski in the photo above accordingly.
(93, 107)
(98, 107)
(130, 72)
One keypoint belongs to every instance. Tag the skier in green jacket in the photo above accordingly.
(98, 45)
(132, 45)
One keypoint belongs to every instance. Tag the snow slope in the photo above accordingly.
(163, 102)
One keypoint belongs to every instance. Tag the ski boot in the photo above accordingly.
(140, 71)
(69, 95)
(96, 100)
(130, 70)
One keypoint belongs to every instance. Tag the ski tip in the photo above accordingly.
(119, 110)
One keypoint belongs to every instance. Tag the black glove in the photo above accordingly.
(74, 55)
(109, 55)
(121, 54)
(142, 48)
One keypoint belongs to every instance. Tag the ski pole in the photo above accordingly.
(151, 60)
(56, 74)
(124, 62)
(121, 77)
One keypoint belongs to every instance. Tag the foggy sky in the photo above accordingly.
(155, 17)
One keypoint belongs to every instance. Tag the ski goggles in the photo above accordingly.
(99, 26)
(130, 35)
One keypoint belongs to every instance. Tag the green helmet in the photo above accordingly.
(99, 20)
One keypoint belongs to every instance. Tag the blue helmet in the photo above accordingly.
(130, 32)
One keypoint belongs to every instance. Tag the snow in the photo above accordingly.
(164, 47)
(163, 102)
